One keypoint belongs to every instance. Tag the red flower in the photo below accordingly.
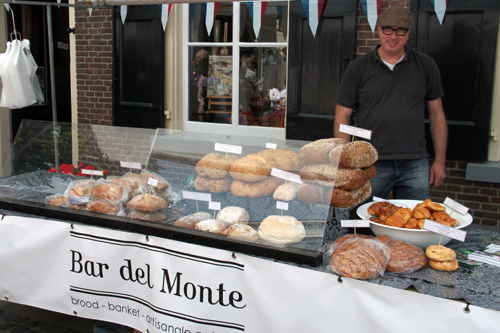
(52, 170)
(67, 169)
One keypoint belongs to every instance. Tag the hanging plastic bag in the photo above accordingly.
(18, 73)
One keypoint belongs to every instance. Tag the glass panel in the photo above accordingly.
(273, 25)
(210, 84)
(217, 31)
(262, 93)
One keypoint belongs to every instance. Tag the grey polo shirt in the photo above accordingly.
(392, 103)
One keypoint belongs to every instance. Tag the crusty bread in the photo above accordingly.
(215, 165)
(281, 230)
(444, 266)
(284, 159)
(342, 198)
(309, 193)
(405, 257)
(316, 152)
(286, 192)
(104, 206)
(440, 253)
(147, 202)
(189, 221)
(239, 230)
(370, 171)
(328, 175)
(252, 168)
(157, 216)
(259, 189)
(354, 155)
(233, 214)
(212, 225)
(212, 185)
(110, 191)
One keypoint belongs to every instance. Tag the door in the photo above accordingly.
(464, 49)
(138, 68)
(316, 65)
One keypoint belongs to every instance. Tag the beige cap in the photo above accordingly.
(395, 16)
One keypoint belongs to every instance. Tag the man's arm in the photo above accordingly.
(342, 116)
(439, 133)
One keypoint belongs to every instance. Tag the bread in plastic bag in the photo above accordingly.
(359, 258)
(58, 200)
(405, 257)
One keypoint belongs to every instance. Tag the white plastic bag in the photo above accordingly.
(18, 73)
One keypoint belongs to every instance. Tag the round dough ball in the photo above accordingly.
(233, 214)
(444, 266)
(440, 253)
(281, 230)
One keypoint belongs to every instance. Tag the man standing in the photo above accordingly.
(390, 88)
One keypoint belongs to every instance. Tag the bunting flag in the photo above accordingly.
(371, 8)
(440, 8)
(165, 13)
(210, 10)
(90, 11)
(257, 9)
(7, 6)
(123, 13)
(314, 10)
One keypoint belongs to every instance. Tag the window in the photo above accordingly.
(236, 71)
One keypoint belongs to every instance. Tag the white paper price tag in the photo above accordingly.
(270, 145)
(283, 205)
(456, 206)
(286, 175)
(92, 172)
(197, 196)
(228, 148)
(130, 165)
(153, 182)
(355, 131)
(214, 205)
(354, 223)
(445, 230)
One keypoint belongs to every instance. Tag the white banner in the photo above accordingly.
(161, 285)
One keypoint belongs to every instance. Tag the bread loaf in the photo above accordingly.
(58, 200)
(162, 183)
(281, 230)
(189, 221)
(330, 176)
(147, 202)
(440, 253)
(205, 184)
(156, 216)
(286, 192)
(444, 266)
(252, 168)
(370, 171)
(360, 258)
(239, 230)
(212, 225)
(354, 155)
(309, 193)
(233, 214)
(257, 189)
(104, 206)
(342, 239)
(405, 257)
(342, 198)
(284, 159)
(316, 152)
(109, 191)
(215, 165)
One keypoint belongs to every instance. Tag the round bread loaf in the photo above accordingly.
(354, 155)
(440, 253)
(370, 171)
(286, 192)
(130, 184)
(281, 230)
(110, 191)
(316, 152)
(405, 257)
(104, 206)
(329, 176)
(444, 266)
(78, 192)
(309, 193)
(212, 225)
(342, 198)
(58, 200)
(215, 165)
(189, 221)
(156, 216)
(342, 239)
(240, 230)
(205, 184)
(233, 214)
(285, 159)
(162, 183)
(259, 189)
(360, 258)
(147, 202)
(251, 168)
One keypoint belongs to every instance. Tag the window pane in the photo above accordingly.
(218, 31)
(210, 84)
(262, 93)
(272, 27)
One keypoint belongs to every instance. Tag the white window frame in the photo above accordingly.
(234, 128)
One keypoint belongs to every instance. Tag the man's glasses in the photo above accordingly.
(399, 31)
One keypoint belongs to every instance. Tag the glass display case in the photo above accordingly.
(247, 189)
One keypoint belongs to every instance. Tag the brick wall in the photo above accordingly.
(483, 199)
(94, 69)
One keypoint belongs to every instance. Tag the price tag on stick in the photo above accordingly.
(355, 131)
(354, 224)
(445, 230)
